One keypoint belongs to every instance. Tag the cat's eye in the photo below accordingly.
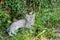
(30, 17)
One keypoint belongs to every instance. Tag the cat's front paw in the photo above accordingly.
(10, 34)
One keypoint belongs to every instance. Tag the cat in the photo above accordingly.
(27, 22)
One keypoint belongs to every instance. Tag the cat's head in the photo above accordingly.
(30, 16)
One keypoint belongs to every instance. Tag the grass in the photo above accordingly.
(45, 23)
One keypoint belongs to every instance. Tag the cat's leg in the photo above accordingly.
(13, 33)
(10, 34)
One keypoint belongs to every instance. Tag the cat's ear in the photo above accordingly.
(31, 13)
(34, 14)
(26, 16)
